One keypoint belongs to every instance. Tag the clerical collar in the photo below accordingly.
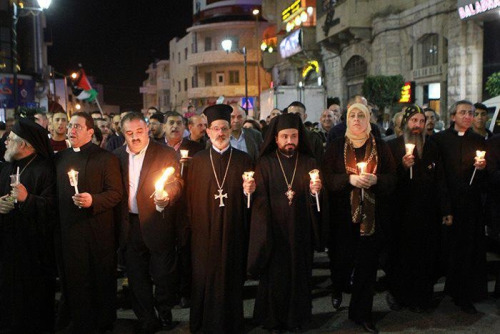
(83, 147)
(221, 151)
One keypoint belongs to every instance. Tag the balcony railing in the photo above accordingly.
(220, 57)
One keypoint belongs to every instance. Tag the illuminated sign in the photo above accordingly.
(291, 44)
(468, 8)
(290, 10)
(311, 66)
(408, 92)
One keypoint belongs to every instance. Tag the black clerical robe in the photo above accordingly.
(88, 236)
(218, 241)
(27, 268)
(466, 271)
(282, 238)
(418, 207)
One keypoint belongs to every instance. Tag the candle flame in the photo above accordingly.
(480, 154)
(361, 166)
(184, 153)
(160, 184)
(72, 174)
(409, 148)
(314, 174)
(248, 175)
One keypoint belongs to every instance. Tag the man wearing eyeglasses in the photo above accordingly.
(465, 180)
(219, 228)
(87, 234)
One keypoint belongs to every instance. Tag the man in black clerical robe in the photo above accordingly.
(219, 229)
(420, 205)
(465, 240)
(493, 197)
(284, 227)
(87, 231)
(27, 268)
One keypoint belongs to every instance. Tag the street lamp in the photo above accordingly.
(256, 13)
(43, 4)
(227, 45)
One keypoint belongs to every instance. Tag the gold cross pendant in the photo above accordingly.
(289, 194)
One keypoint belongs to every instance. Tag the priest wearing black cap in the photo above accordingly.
(420, 205)
(284, 227)
(87, 232)
(27, 215)
(219, 228)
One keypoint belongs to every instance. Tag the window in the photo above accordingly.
(179, 57)
(178, 86)
(185, 84)
(220, 78)
(193, 82)
(185, 53)
(208, 79)
(429, 50)
(234, 77)
(208, 44)
(355, 71)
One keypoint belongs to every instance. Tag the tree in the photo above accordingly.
(493, 84)
(383, 90)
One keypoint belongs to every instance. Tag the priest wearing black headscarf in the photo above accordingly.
(285, 226)
(219, 228)
(26, 228)
(420, 204)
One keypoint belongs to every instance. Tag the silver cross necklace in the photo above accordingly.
(221, 196)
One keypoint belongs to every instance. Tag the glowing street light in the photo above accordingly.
(227, 46)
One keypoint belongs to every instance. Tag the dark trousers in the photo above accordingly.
(364, 277)
(89, 280)
(146, 267)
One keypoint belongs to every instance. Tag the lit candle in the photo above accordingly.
(160, 193)
(314, 174)
(479, 155)
(73, 179)
(361, 167)
(248, 176)
(17, 181)
(409, 151)
(184, 155)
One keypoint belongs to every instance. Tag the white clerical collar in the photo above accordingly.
(221, 151)
(461, 133)
(142, 152)
(76, 149)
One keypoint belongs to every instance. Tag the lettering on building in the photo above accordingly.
(477, 7)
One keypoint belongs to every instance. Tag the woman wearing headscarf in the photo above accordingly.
(359, 211)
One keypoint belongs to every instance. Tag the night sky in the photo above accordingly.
(115, 40)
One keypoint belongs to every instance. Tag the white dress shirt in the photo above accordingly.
(134, 173)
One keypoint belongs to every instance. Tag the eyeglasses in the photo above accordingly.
(465, 112)
(217, 129)
(76, 126)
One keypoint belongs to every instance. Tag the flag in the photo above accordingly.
(82, 89)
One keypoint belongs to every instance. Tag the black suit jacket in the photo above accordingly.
(157, 227)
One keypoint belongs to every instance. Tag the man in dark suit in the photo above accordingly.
(87, 253)
(174, 130)
(148, 226)
(246, 140)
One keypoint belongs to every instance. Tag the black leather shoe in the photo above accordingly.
(392, 303)
(369, 327)
(336, 300)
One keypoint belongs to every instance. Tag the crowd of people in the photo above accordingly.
(190, 208)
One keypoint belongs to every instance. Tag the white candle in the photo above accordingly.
(17, 181)
(362, 166)
(409, 151)
(314, 175)
(73, 179)
(479, 155)
(160, 193)
(184, 155)
(248, 176)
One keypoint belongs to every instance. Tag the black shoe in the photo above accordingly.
(391, 301)
(166, 320)
(468, 308)
(369, 327)
(336, 300)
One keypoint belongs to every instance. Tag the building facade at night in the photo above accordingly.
(155, 89)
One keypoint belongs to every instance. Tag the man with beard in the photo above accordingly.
(148, 224)
(430, 121)
(284, 227)
(313, 138)
(27, 217)
(157, 128)
(480, 119)
(58, 139)
(420, 201)
(87, 231)
(466, 258)
(219, 228)
(198, 129)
